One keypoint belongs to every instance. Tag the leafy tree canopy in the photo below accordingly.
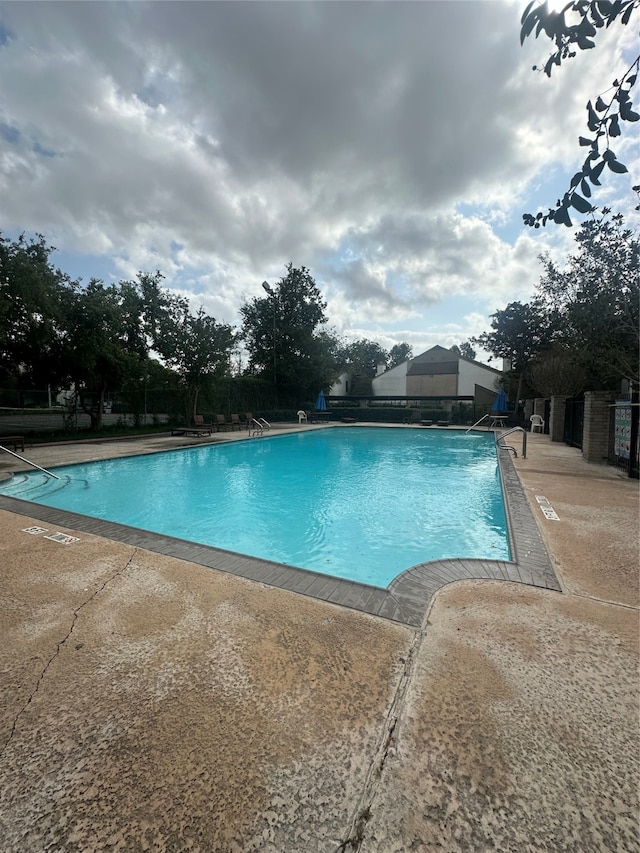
(284, 335)
(584, 315)
(464, 349)
(575, 27)
(556, 371)
(398, 354)
(97, 338)
(361, 359)
(595, 298)
(518, 333)
(31, 310)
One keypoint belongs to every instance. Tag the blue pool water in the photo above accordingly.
(359, 503)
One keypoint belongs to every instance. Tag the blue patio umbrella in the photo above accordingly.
(500, 404)
(321, 403)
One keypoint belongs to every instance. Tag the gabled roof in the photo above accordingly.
(432, 368)
(441, 360)
(435, 361)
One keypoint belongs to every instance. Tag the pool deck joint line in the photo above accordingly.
(406, 598)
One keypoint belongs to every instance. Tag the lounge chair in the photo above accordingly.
(198, 422)
(194, 431)
(15, 440)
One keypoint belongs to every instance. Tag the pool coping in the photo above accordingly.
(404, 600)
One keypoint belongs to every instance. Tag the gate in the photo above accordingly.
(574, 421)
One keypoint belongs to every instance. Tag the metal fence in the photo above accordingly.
(574, 421)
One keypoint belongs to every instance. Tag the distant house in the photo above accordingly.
(342, 387)
(439, 372)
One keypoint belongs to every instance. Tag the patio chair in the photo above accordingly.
(235, 422)
(221, 423)
(537, 423)
(199, 423)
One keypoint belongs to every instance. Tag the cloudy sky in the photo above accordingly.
(390, 147)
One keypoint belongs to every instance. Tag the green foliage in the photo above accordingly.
(97, 338)
(198, 348)
(398, 354)
(361, 359)
(573, 28)
(518, 333)
(556, 371)
(584, 321)
(31, 311)
(96, 346)
(284, 335)
(464, 349)
(595, 301)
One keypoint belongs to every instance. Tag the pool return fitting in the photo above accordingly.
(33, 464)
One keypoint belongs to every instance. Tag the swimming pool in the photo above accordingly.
(358, 503)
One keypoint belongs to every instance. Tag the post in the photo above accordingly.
(272, 294)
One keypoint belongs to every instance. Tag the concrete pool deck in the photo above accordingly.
(149, 703)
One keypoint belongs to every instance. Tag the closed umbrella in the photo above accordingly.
(321, 403)
(500, 404)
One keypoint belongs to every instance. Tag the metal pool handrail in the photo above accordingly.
(483, 418)
(23, 459)
(508, 432)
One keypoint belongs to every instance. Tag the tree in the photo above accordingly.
(556, 371)
(464, 349)
(285, 338)
(518, 333)
(573, 28)
(31, 305)
(198, 348)
(595, 299)
(361, 358)
(399, 353)
(97, 347)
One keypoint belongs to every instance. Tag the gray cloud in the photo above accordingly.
(343, 136)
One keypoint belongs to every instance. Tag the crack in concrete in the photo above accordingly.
(362, 812)
(604, 600)
(59, 646)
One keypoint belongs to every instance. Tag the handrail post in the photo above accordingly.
(484, 417)
(524, 438)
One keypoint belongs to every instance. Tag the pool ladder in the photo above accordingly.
(508, 446)
(257, 426)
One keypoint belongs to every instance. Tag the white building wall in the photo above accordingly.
(342, 386)
(391, 383)
(470, 375)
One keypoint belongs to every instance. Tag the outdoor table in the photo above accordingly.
(499, 420)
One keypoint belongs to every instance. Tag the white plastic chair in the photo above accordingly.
(537, 423)
(302, 416)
